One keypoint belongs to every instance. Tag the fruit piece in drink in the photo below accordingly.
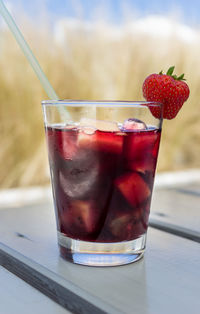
(133, 187)
(80, 218)
(141, 150)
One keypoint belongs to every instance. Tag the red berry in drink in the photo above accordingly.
(133, 187)
(80, 217)
(140, 150)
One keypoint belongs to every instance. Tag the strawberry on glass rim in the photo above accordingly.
(169, 89)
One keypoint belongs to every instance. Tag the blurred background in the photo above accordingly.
(94, 50)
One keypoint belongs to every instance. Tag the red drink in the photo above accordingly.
(102, 181)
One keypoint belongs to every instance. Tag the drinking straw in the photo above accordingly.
(28, 53)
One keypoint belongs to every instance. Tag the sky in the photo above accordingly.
(114, 11)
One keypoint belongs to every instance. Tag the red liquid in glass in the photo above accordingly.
(102, 182)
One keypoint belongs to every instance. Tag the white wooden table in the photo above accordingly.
(177, 210)
(16, 296)
(166, 280)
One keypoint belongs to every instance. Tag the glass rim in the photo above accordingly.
(100, 103)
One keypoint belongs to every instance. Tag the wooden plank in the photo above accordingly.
(177, 208)
(68, 295)
(26, 231)
(175, 229)
(164, 281)
(18, 297)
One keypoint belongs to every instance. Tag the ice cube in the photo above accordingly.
(70, 127)
(133, 124)
(80, 175)
(100, 125)
(78, 189)
(104, 142)
(88, 130)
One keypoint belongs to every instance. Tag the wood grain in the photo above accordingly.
(164, 281)
(178, 207)
(17, 297)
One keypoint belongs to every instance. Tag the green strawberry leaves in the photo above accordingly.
(170, 73)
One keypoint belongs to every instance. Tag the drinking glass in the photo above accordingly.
(102, 157)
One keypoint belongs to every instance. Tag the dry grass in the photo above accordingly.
(92, 68)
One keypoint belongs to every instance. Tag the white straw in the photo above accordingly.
(27, 51)
(30, 56)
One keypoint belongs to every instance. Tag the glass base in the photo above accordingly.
(101, 254)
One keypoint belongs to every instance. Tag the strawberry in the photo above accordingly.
(124, 227)
(81, 217)
(168, 89)
(133, 188)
